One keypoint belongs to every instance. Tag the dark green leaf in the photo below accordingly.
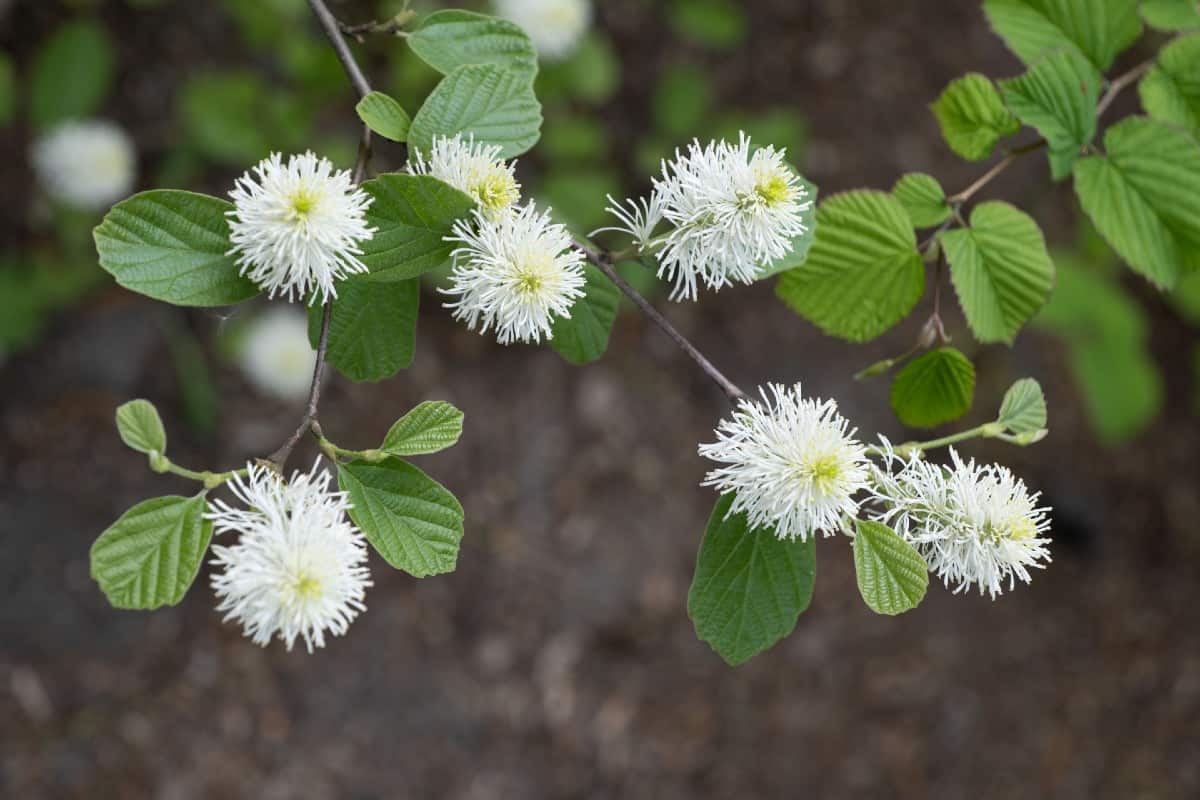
(413, 215)
(750, 587)
(1099, 29)
(149, 557)
(172, 246)
(373, 328)
(1058, 97)
(933, 388)
(482, 100)
(408, 517)
(449, 39)
(863, 273)
(71, 74)
(584, 336)
(892, 576)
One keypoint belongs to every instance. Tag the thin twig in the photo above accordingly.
(603, 263)
(333, 32)
(987, 177)
(280, 456)
(394, 26)
(1121, 82)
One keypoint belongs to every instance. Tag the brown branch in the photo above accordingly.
(333, 32)
(394, 26)
(987, 177)
(602, 261)
(1121, 82)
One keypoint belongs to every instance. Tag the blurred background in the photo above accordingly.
(558, 661)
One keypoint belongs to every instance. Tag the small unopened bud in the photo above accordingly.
(1030, 437)
(158, 462)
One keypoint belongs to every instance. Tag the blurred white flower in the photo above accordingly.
(87, 164)
(474, 169)
(298, 569)
(791, 463)
(734, 212)
(555, 26)
(973, 524)
(514, 273)
(275, 354)
(297, 228)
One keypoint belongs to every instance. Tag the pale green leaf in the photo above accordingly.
(1099, 29)
(141, 428)
(384, 115)
(933, 388)
(408, 517)
(71, 74)
(973, 117)
(149, 557)
(1172, 15)
(1170, 91)
(750, 587)
(800, 244)
(413, 215)
(1000, 270)
(449, 39)
(432, 426)
(583, 337)
(372, 328)
(1024, 407)
(923, 198)
(1121, 385)
(1058, 97)
(863, 273)
(892, 576)
(482, 100)
(1143, 196)
(172, 246)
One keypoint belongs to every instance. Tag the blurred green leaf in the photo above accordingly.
(863, 273)
(784, 128)
(1058, 97)
(8, 90)
(236, 118)
(973, 117)
(1099, 29)
(496, 106)
(749, 588)
(719, 24)
(1186, 297)
(583, 337)
(574, 138)
(682, 101)
(71, 74)
(591, 75)
(1172, 15)
(934, 388)
(577, 196)
(1170, 91)
(1143, 196)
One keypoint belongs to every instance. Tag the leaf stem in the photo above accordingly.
(211, 480)
(1121, 82)
(603, 262)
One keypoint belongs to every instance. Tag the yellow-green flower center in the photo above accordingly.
(496, 190)
(303, 202)
(773, 189)
(824, 473)
(307, 587)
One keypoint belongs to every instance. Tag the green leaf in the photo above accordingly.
(446, 40)
(384, 115)
(372, 328)
(172, 246)
(413, 215)
(1121, 385)
(973, 117)
(1172, 15)
(494, 105)
(140, 427)
(1170, 91)
(1000, 270)
(408, 517)
(584, 336)
(432, 426)
(923, 198)
(933, 388)
(802, 243)
(71, 74)
(1024, 407)
(8, 90)
(1058, 97)
(1186, 298)
(1099, 29)
(1144, 197)
(750, 587)
(892, 576)
(719, 24)
(682, 101)
(863, 273)
(149, 557)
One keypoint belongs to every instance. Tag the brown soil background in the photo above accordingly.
(558, 661)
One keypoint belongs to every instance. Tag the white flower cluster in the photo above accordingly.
(514, 269)
(298, 568)
(297, 226)
(733, 211)
(85, 164)
(975, 525)
(554, 26)
(795, 467)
